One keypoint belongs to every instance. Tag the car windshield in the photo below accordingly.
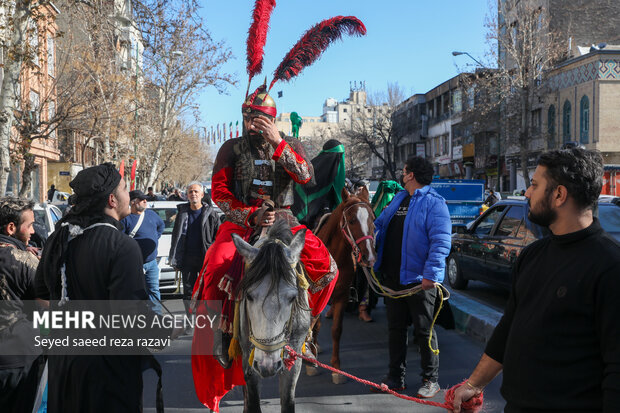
(609, 215)
(168, 215)
(39, 216)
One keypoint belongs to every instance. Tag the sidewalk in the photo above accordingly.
(472, 317)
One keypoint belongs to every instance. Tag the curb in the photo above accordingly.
(473, 318)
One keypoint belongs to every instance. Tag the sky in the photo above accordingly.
(409, 42)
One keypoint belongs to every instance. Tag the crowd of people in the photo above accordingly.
(560, 326)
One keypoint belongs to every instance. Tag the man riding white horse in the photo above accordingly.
(250, 173)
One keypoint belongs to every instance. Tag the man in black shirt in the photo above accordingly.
(558, 342)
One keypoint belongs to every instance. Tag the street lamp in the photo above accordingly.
(472, 58)
(456, 53)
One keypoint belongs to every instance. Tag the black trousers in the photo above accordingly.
(417, 309)
(192, 264)
(18, 386)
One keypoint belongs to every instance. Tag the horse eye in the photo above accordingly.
(353, 221)
(249, 298)
(292, 299)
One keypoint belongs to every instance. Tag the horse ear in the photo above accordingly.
(246, 250)
(344, 194)
(296, 245)
(363, 194)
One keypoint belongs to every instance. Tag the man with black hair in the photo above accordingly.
(150, 195)
(413, 241)
(560, 326)
(19, 374)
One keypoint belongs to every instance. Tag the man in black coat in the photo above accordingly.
(194, 231)
(100, 263)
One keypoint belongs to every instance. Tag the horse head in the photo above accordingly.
(358, 225)
(272, 297)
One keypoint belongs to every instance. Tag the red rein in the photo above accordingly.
(474, 404)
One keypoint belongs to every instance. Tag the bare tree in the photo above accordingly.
(367, 136)
(183, 60)
(526, 48)
(19, 21)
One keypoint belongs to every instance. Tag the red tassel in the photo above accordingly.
(257, 35)
(314, 42)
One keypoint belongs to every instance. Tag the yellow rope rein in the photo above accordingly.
(374, 283)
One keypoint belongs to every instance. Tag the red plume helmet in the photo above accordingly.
(304, 53)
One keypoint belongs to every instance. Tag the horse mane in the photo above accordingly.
(271, 259)
(331, 228)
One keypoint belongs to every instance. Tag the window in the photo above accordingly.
(485, 226)
(511, 222)
(457, 101)
(471, 97)
(344, 110)
(51, 57)
(33, 40)
(51, 113)
(584, 120)
(551, 126)
(536, 119)
(34, 107)
(445, 144)
(566, 122)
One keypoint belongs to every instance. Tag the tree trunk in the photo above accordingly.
(29, 166)
(156, 157)
(12, 68)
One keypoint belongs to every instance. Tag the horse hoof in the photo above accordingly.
(312, 371)
(338, 378)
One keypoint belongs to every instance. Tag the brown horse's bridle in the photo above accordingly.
(348, 235)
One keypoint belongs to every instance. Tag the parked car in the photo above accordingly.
(488, 247)
(45, 218)
(167, 211)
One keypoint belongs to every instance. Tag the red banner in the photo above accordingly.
(121, 169)
(133, 175)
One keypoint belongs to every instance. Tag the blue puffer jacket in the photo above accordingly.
(426, 235)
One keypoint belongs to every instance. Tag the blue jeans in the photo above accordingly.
(151, 273)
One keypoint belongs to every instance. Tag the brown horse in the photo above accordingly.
(348, 233)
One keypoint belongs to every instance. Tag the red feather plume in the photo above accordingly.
(257, 35)
(314, 42)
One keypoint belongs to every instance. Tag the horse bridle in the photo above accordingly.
(348, 235)
(271, 344)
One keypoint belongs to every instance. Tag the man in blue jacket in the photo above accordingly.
(413, 241)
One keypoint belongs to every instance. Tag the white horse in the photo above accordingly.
(274, 312)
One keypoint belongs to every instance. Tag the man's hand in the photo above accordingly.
(427, 284)
(267, 128)
(269, 217)
(462, 394)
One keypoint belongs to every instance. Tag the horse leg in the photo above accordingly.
(288, 383)
(312, 370)
(339, 307)
(251, 395)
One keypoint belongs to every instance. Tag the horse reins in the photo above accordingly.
(271, 344)
(348, 235)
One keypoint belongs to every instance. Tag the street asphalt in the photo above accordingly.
(363, 353)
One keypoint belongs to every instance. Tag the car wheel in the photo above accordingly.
(455, 275)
